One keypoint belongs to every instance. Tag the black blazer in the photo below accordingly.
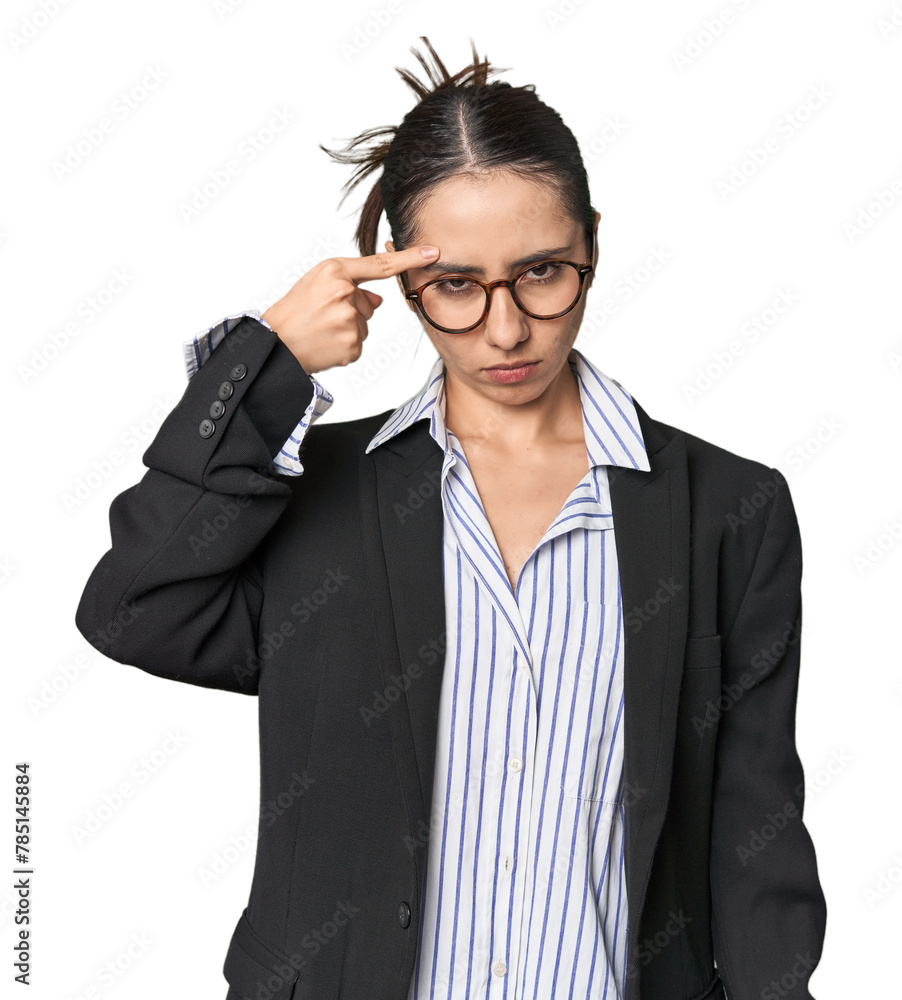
(323, 595)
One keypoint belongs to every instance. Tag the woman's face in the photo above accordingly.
(488, 223)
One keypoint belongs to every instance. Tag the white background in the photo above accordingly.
(816, 394)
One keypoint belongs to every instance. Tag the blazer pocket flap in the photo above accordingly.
(702, 651)
(254, 969)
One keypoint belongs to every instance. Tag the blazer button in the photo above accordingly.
(226, 390)
(206, 428)
(404, 914)
(238, 372)
(217, 408)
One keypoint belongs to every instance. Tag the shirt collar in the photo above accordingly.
(610, 422)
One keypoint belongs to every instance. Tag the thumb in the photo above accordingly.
(375, 300)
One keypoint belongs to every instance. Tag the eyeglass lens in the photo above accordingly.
(545, 289)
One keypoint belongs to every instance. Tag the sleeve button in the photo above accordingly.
(238, 372)
(226, 390)
(217, 408)
(206, 428)
(404, 914)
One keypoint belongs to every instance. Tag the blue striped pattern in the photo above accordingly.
(525, 892)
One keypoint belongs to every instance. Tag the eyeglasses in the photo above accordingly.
(547, 289)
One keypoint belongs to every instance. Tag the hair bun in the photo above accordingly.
(371, 157)
(461, 123)
(474, 75)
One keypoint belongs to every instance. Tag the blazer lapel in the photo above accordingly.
(402, 521)
(651, 530)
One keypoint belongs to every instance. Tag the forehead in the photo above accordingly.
(492, 220)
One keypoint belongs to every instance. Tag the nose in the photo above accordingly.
(506, 324)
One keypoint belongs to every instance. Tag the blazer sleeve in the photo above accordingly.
(179, 592)
(197, 351)
(769, 912)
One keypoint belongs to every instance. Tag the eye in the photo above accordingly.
(453, 287)
(541, 273)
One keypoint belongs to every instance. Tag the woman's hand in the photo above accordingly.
(322, 318)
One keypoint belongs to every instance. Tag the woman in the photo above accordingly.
(527, 680)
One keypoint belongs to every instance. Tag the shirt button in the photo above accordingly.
(404, 914)
(499, 968)
(238, 372)
(516, 763)
(206, 428)
(508, 863)
(217, 408)
(226, 390)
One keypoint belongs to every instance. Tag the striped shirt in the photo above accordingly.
(525, 889)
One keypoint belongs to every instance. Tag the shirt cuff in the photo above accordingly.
(198, 350)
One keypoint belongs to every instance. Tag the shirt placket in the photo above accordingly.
(512, 731)
(515, 725)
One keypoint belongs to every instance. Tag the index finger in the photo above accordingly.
(388, 263)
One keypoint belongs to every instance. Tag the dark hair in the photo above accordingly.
(462, 124)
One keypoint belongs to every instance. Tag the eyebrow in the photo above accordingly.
(521, 262)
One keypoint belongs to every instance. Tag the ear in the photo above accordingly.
(591, 277)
